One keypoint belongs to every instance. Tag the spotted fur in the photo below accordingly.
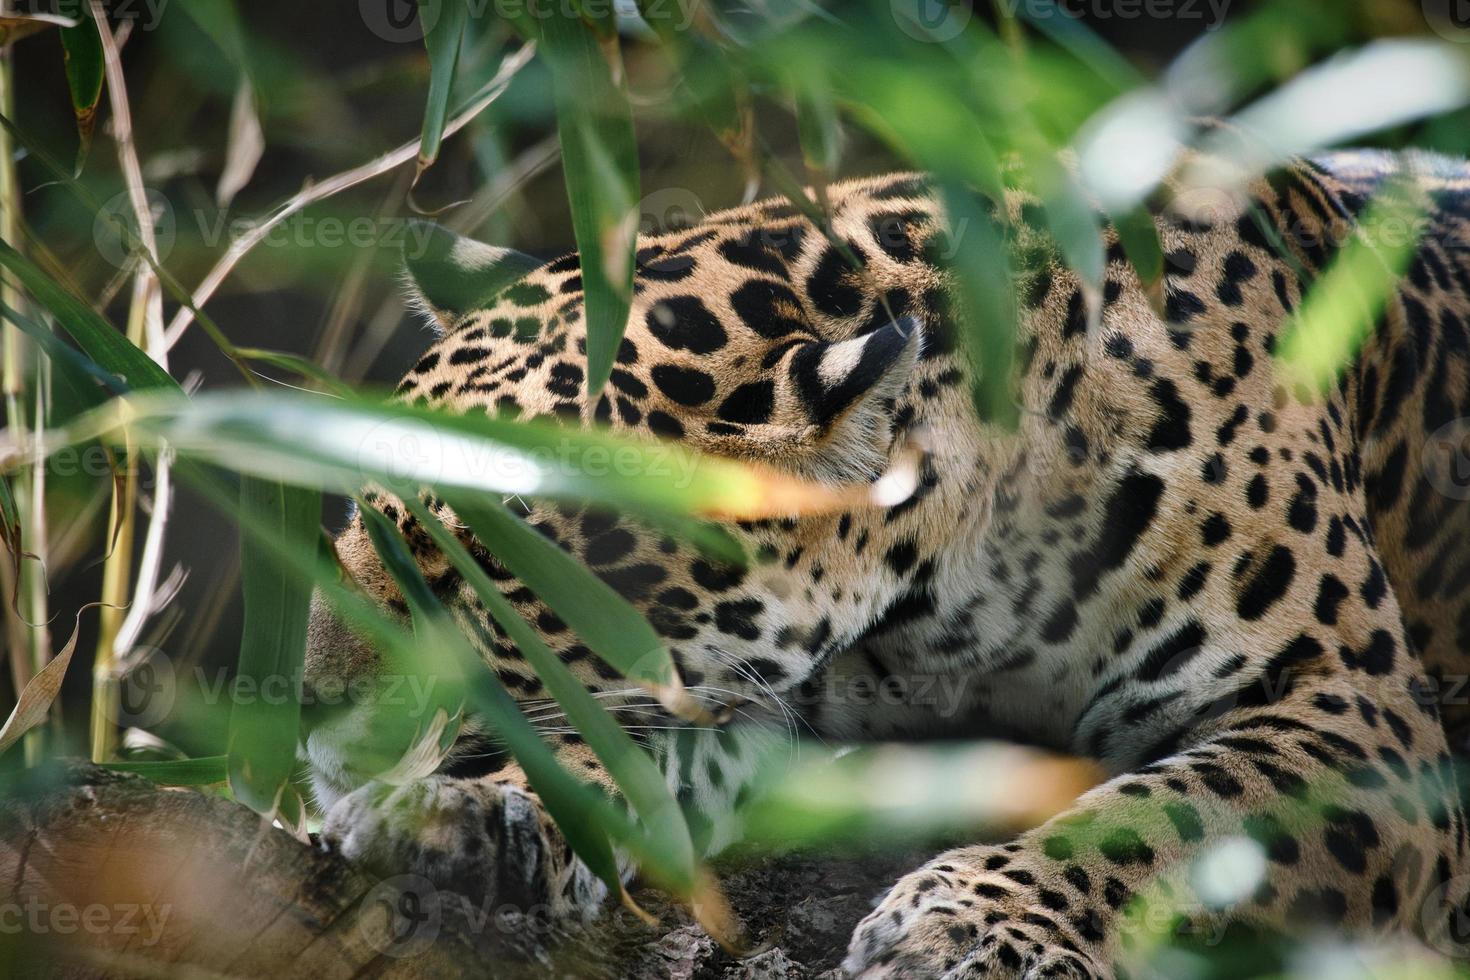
(1247, 603)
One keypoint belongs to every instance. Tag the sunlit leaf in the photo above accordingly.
(340, 443)
(914, 793)
(1384, 84)
(263, 730)
(1343, 305)
(444, 25)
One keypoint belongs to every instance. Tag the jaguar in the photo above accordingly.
(1246, 598)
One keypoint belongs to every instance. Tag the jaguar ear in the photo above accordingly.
(452, 275)
(848, 388)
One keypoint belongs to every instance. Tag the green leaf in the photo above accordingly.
(296, 364)
(605, 621)
(1343, 305)
(1139, 237)
(569, 801)
(931, 792)
(102, 342)
(82, 49)
(627, 764)
(600, 157)
(221, 21)
(444, 25)
(204, 771)
(341, 443)
(263, 727)
(72, 362)
(977, 256)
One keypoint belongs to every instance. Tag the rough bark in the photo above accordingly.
(104, 875)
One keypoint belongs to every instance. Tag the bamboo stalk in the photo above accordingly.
(144, 329)
(29, 639)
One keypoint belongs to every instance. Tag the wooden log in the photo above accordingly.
(104, 875)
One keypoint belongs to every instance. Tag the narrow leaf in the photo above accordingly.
(631, 767)
(296, 364)
(204, 771)
(35, 700)
(444, 24)
(566, 799)
(605, 621)
(102, 342)
(82, 48)
(976, 252)
(245, 146)
(600, 156)
(1340, 310)
(1139, 237)
(263, 729)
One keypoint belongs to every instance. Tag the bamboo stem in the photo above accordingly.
(29, 639)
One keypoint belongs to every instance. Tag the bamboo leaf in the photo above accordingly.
(929, 792)
(245, 145)
(204, 771)
(631, 767)
(1139, 237)
(72, 361)
(1340, 310)
(600, 157)
(35, 700)
(444, 25)
(263, 729)
(567, 800)
(220, 19)
(102, 342)
(340, 443)
(82, 49)
(976, 251)
(605, 621)
(296, 364)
